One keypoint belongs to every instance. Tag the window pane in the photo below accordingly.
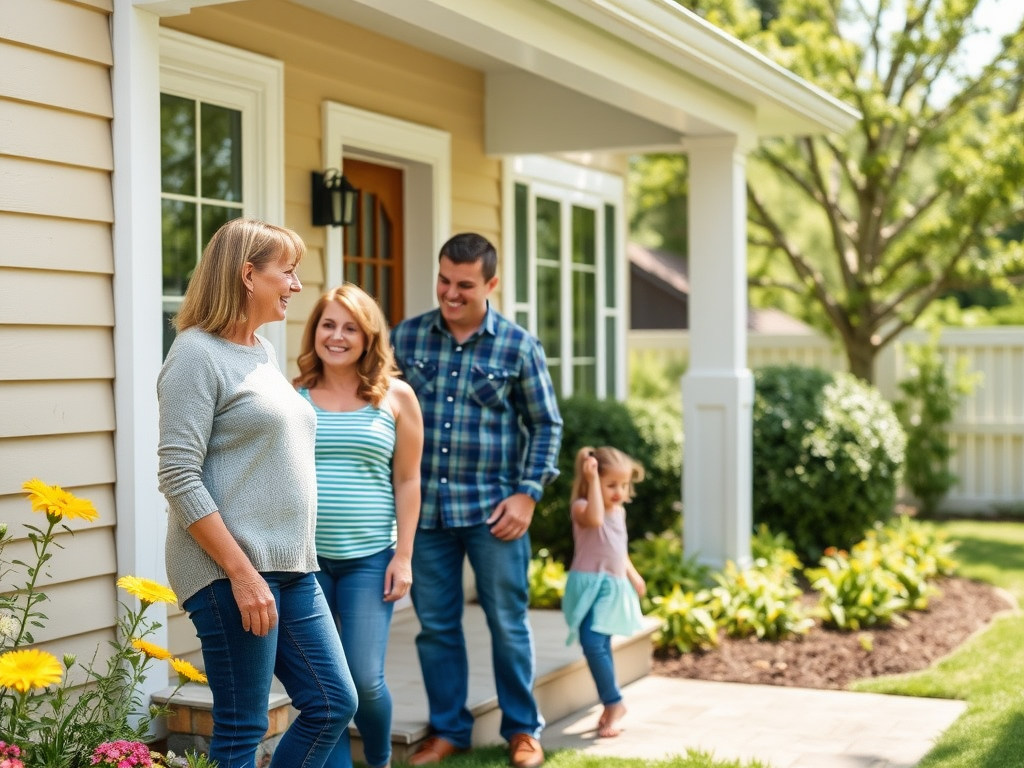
(584, 315)
(610, 257)
(523, 319)
(548, 313)
(610, 356)
(213, 217)
(584, 379)
(584, 236)
(221, 153)
(385, 292)
(180, 245)
(177, 145)
(549, 230)
(555, 369)
(370, 279)
(351, 272)
(367, 210)
(522, 213)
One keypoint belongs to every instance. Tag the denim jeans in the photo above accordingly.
(303, 650)
(500, 568)
(597, 650)
(355, 592)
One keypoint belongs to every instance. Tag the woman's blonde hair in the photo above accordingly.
(375, 367)
(607, 458)
(216, 298)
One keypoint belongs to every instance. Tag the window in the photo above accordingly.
(221, 154)
(566, 283)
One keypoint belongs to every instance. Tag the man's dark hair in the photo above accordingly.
(469, 247)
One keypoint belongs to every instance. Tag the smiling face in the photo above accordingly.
(615, 486)
(272, 287)
(339, 340)
(462, 295)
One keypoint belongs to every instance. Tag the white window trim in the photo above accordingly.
(253, 84)
(424, 155)
(586, 187)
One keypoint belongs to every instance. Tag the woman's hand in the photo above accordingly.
(397, 578)
(256, 604)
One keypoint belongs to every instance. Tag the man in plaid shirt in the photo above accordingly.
(492, 433)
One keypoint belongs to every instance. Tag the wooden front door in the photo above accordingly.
(374, 242)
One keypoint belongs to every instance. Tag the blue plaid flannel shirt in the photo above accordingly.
(490, 419)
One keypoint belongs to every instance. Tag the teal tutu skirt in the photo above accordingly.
(615, 603)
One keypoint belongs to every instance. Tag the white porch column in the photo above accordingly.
(718, 387)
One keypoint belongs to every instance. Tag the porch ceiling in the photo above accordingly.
(628, 75)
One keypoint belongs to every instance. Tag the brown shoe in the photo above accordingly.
(434, 750)
(524, 751)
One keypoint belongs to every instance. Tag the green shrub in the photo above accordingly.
(923, 543)
(828, 452)
(659, 559)
(855, 591)
(687, 622)
(639, 430)
(773, 553)
(758, 602)
(546, 580)
(929, 401)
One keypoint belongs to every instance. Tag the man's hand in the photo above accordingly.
(512, 517)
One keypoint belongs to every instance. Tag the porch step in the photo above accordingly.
(563, 681)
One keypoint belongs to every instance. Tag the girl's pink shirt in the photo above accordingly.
(604, 548)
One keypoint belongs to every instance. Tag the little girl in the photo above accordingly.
(601, 593)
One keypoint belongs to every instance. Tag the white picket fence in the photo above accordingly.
(987, 433)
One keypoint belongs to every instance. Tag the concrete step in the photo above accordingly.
(563, 681)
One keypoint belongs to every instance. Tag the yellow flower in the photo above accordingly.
(25, 670)
(187, 672)
(151, 650)
(147, 590)
(54, 500)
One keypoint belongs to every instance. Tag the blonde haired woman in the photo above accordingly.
(369, 440)
(237, 470)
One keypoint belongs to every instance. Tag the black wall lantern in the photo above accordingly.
(334, 199)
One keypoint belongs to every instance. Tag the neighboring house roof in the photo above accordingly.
(666, 272)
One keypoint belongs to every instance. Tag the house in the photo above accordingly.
(132, 128)
(659, 293)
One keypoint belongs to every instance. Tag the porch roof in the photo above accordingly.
(603, 75)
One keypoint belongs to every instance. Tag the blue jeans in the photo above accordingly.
(500, 568)
(597, 649)
(355, 592)
(303, 650)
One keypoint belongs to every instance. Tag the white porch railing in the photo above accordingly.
(987, 432)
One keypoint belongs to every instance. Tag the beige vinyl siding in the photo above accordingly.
(56, 301)
(329, 60)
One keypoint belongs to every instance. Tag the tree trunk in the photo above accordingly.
(861, 354)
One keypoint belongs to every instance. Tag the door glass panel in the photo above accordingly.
(385, 290)
(221, 152)
(370, 279)
(352, 272)
(584, 315)
(610, 285)
(610, 355)
(548, 312)
(584, 236)
(584, 379)
(177, 145)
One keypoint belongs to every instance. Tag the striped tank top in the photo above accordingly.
(355, 514)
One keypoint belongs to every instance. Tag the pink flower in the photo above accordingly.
(9, 754)
(122, 754)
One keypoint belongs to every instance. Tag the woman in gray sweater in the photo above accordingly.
(237, 470)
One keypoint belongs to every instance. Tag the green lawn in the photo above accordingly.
(987, 672)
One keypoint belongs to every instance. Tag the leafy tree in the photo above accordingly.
(909, 205)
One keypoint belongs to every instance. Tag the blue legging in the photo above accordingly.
(597, 649)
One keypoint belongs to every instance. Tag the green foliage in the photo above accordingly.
(828, 451)
(929, 401)
(660, 560)
(921, 197)
(773, 552)
(687, 620)
(928, 546)
(855, 590)
(765, 603)
(649, 434)
(546, 579)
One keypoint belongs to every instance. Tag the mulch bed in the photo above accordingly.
(827, 658)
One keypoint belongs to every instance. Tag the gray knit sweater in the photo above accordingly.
(235, 437)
